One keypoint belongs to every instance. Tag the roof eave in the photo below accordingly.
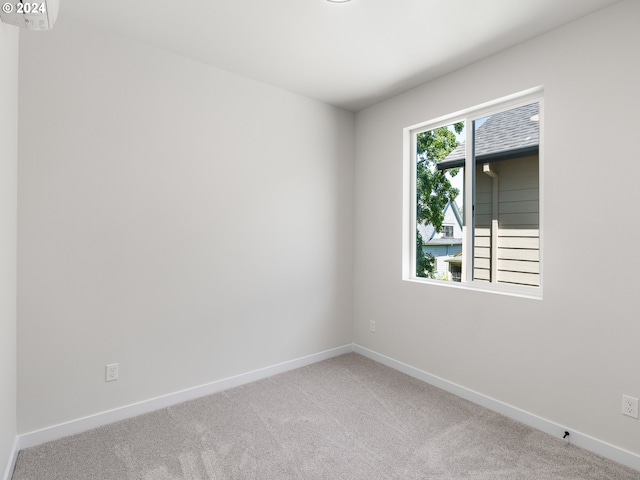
(491, 157)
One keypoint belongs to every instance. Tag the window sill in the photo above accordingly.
(534, 293)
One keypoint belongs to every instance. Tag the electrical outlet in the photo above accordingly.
(629, 406)
(111, 372)
(372, 326)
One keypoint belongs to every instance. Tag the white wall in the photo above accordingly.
(191, 225)
(8, 186)
(185, 222)
(569, 357)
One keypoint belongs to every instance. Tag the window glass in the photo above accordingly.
(439, 194)
(507, 229)
(481, 170)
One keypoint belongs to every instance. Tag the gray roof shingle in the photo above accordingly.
(503, 132)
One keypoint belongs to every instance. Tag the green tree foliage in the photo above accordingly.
(433, 188)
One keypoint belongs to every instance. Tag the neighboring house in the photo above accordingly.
(445, 244)
(507, 226)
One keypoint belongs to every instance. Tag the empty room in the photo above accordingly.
(319, 239)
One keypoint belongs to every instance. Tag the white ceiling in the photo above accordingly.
(351, 54)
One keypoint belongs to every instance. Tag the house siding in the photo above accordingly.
(518, 252)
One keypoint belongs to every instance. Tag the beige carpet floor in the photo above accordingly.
(344, 418)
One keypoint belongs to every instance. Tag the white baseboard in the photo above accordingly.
(8, 473)
(72, 427)
(579, 439)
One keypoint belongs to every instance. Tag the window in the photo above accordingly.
(447, 231)
(472, 184)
